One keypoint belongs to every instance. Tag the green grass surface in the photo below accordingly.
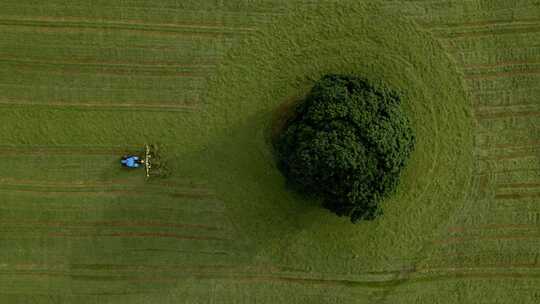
(81, 84)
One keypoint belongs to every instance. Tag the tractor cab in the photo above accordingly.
(131, 161)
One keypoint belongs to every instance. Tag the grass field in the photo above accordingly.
(81, 84)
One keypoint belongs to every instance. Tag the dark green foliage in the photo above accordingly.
(347, 142)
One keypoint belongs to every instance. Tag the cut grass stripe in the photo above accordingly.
(492, 227)
(496, 115)
(488, 32)
(93, 63)
(102, 183)
(507, 106)
(500, 64)
(134, 224)
(67, 150)
(510, 156)
(124, 22)
(480, 23)
(211, 10)
(146, 235)
(170, 90)
(163, 250)
(516, 196)
(456, 240)
(250, 278)
(103, 192)
(151, 29)
(519, 185)
(118, 70)
(491, 75)
(105, 106)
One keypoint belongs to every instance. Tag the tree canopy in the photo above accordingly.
(347, 142)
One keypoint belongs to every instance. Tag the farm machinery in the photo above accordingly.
(152, 162)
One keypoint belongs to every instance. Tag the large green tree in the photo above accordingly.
(347, 142)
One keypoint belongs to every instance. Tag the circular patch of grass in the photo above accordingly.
(280, 63)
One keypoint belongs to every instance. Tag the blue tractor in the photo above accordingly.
(132, 161)
(149, 161)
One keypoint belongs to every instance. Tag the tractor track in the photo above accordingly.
(81, 209)
(500, 64)
(492, 227)
(64, 150)
(113, 22)
(487, 32)
(518, 185)
(492, 75)
(141, 28)
(71, 70)
(516, 196)
(484, 115)
(421, 275)
(109, 106)
(510, 156)
(29, 223)
(163, 250)
(457, 240)
(100, 64)
(137, 235)
(475, 24)
(110, 192)
(255, 11)
(103, 183)
(503, 106)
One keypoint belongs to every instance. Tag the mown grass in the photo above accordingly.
(81, 84)
(279, 64)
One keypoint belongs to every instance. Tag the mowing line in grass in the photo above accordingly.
(137, 235)
(104, 107)
(127, 26)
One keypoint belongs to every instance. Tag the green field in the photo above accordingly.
(84, 82)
